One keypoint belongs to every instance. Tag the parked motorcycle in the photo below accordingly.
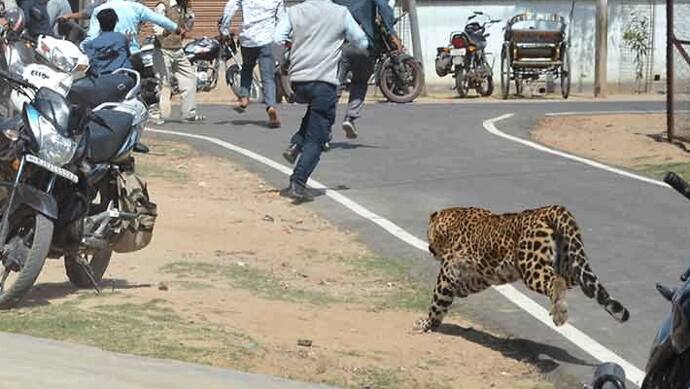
(399, 76)
(465, 57)
(69, 189)
(668, 366)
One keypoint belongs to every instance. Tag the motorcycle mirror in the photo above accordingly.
(685, 275)
(495, 20)
(609, 375)
(666, 291)
(472, 17)
(478, 13)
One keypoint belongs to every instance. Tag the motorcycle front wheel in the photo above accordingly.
(402, 91)
(77, 273)
(486, 88)
(233, 76)
(27, 249)
(674, 374)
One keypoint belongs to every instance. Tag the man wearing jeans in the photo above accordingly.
(259, 19)
(317, 30)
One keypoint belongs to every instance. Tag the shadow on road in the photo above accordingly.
(244, 122)
(45, 293)
(545, 357)
(353, 146)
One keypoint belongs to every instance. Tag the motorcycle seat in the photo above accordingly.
(104, 143)
(94, 91)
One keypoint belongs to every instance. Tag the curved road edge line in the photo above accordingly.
(577, 337)
(490, 126)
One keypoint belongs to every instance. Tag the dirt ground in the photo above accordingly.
(634, 141)
(237, 276)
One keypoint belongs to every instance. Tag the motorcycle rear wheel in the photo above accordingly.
(675, 374)
(77, 274)
(412, 87)
(233, 77)
(461, 84)
(40, 231)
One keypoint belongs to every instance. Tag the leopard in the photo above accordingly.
(542, 247)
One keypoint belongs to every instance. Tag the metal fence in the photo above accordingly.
(678, 69)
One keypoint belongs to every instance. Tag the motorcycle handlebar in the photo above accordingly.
(678, 183)
(16, 80)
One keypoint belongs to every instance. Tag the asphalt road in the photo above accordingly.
(413, 159)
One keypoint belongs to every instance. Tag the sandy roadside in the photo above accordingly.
(238, 277)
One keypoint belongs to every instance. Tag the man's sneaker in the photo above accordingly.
(296, 192)
(242, 104)
(350, 129)
(273, 121)
(158, 121)
(326, 147)
(291, 153)
(195, 118)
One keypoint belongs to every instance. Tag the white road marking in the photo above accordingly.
(591, 346)
(594, 113)
(490, 125)
(577, 337)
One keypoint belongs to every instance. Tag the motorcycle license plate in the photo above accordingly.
(454, 52)
(52, 168)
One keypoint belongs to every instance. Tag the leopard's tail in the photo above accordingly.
(571, 263)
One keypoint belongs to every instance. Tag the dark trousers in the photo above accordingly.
(361, 63)
(316, 125)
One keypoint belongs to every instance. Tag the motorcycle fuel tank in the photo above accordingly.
(202, 49)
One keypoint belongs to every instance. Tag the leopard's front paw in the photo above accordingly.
(426, 325)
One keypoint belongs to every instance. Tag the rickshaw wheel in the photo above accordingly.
(565, 72)
(505, 72)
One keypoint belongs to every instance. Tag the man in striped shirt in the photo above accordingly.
(259, 19)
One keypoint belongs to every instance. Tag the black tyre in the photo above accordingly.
(565, 72)
(519, 87)
(462, 85)
(32, 241)
(233, 76)
(402, 91)
(486, 88)
(674, 374)
(98, 262)
(505, 72)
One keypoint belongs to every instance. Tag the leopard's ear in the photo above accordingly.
(433, 215)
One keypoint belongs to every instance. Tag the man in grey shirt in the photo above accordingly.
(317, 30)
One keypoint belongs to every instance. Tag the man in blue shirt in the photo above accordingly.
(130, 14)
(37, 18)
(110, 50)
(317, 30)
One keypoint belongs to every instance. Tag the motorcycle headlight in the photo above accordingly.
(61, 61)
(52, 146)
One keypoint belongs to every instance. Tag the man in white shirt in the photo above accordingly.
(259, 18)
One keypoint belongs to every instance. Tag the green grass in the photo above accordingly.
(247, 278)
(660, 170)
(151, 329)
(408, 292)
(154, 169)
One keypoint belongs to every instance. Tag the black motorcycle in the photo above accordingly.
(398, 75)
(668, 366)
(68, 189)
(466, 59)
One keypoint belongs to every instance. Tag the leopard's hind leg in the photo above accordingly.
(535, 260)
